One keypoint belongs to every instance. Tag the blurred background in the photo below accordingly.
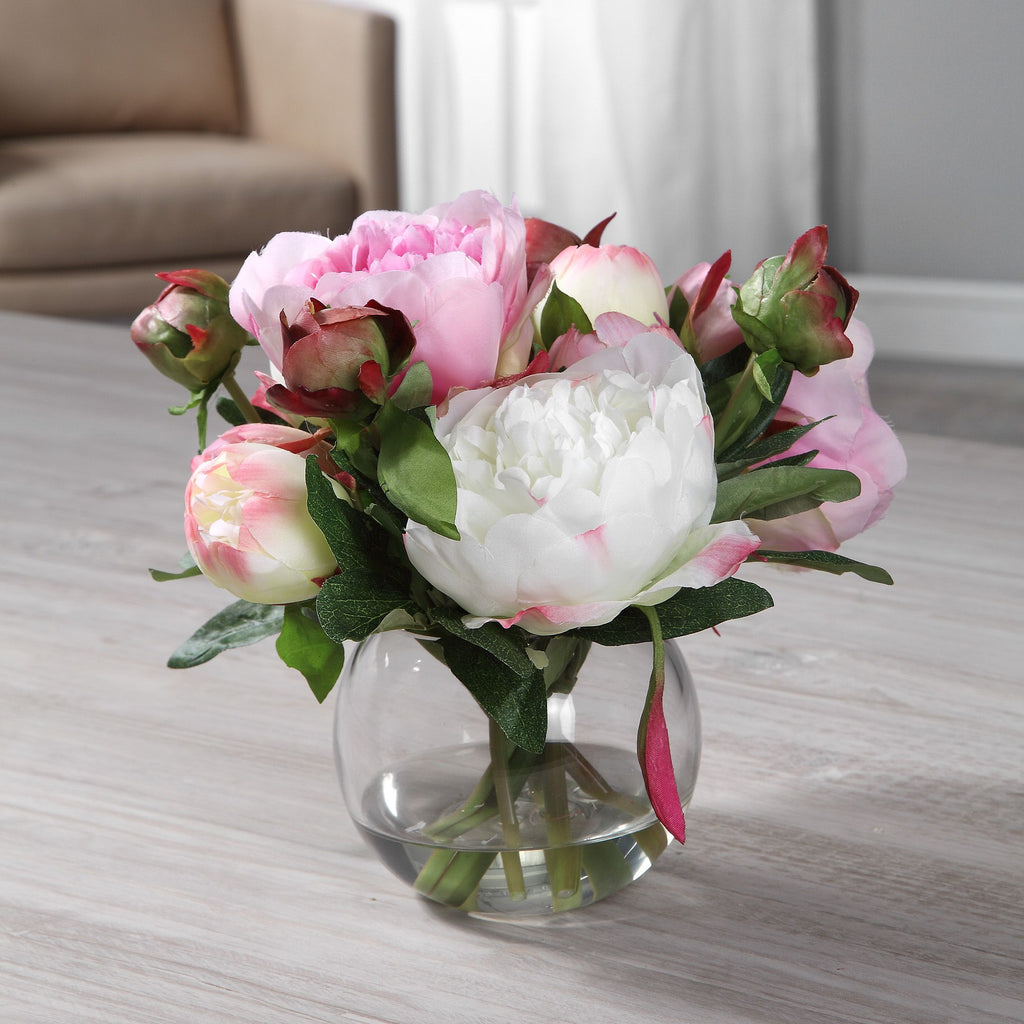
(736, 124)
(704, 125)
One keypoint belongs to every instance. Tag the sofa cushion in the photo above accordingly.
(107, 65)
(101, 200)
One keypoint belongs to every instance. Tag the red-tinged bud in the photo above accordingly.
(338, 362)
(188, 334)
(796, 304)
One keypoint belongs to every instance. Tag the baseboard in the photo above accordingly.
(959, 321)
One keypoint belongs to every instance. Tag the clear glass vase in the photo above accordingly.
(470, 820)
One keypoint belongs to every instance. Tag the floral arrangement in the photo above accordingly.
(514, 442)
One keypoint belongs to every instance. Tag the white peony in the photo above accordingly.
(582, 492)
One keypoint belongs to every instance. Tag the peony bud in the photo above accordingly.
(798, 305)
(610, 279)
(544, 241)
(246, 521)
(188, 334)
(337, 362)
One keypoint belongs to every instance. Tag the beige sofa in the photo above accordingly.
(146, 135)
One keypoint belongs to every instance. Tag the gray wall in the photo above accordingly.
(923, 126)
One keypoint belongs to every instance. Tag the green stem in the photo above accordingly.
(245, 407)
(732, 420)
(653, 839)
(506, 813)
(564, 861)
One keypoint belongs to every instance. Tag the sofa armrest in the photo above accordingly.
(319, 78)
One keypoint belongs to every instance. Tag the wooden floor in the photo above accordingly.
(976, 403)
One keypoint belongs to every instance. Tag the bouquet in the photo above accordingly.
(513, 443)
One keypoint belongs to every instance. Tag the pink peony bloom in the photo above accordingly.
(856, 439)
(715, 332)
(611, 330)
(611, 279)
(246, 521)
(457, 272)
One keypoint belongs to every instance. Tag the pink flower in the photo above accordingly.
(715, 332)
(856, 439)
(246, 521)
(611, 279)
(611, 330)
(457, 272)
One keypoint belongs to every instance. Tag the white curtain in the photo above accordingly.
(695, 120)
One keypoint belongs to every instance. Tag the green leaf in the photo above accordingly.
(180, 410)
(507, 645)
(774, 491)
(304, 646)
(518, 703)
(416, 388)
(186, 568)
(825, 561)
(758, 336)
(238, 625)
(162, 577)
(415, 471)
(764, 369)
(727, 365)
(561, 312)
(352, 603)
(690, 610)
(678, 308)
(775, 444)
(228, 410)
(749, 413)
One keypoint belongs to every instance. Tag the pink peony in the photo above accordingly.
(856, 439)
(246, 521)
(715, 332)
(457, 272)
(611, 330)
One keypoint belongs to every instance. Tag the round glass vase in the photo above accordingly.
(471, 820)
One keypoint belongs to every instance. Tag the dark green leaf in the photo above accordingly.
(826, 561)
(776, 444)
(238, 625)
(678, 308)
(561, 312)
(729, 364)
(304, 646)
(368, 586)
(518, 703)
(352, 604)
(771, 491)
(690, 610)
(507, 645)
(332, 515)
(229, 411)
(415, 471)
(758, 411)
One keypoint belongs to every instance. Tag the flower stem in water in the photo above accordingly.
(507, 813)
